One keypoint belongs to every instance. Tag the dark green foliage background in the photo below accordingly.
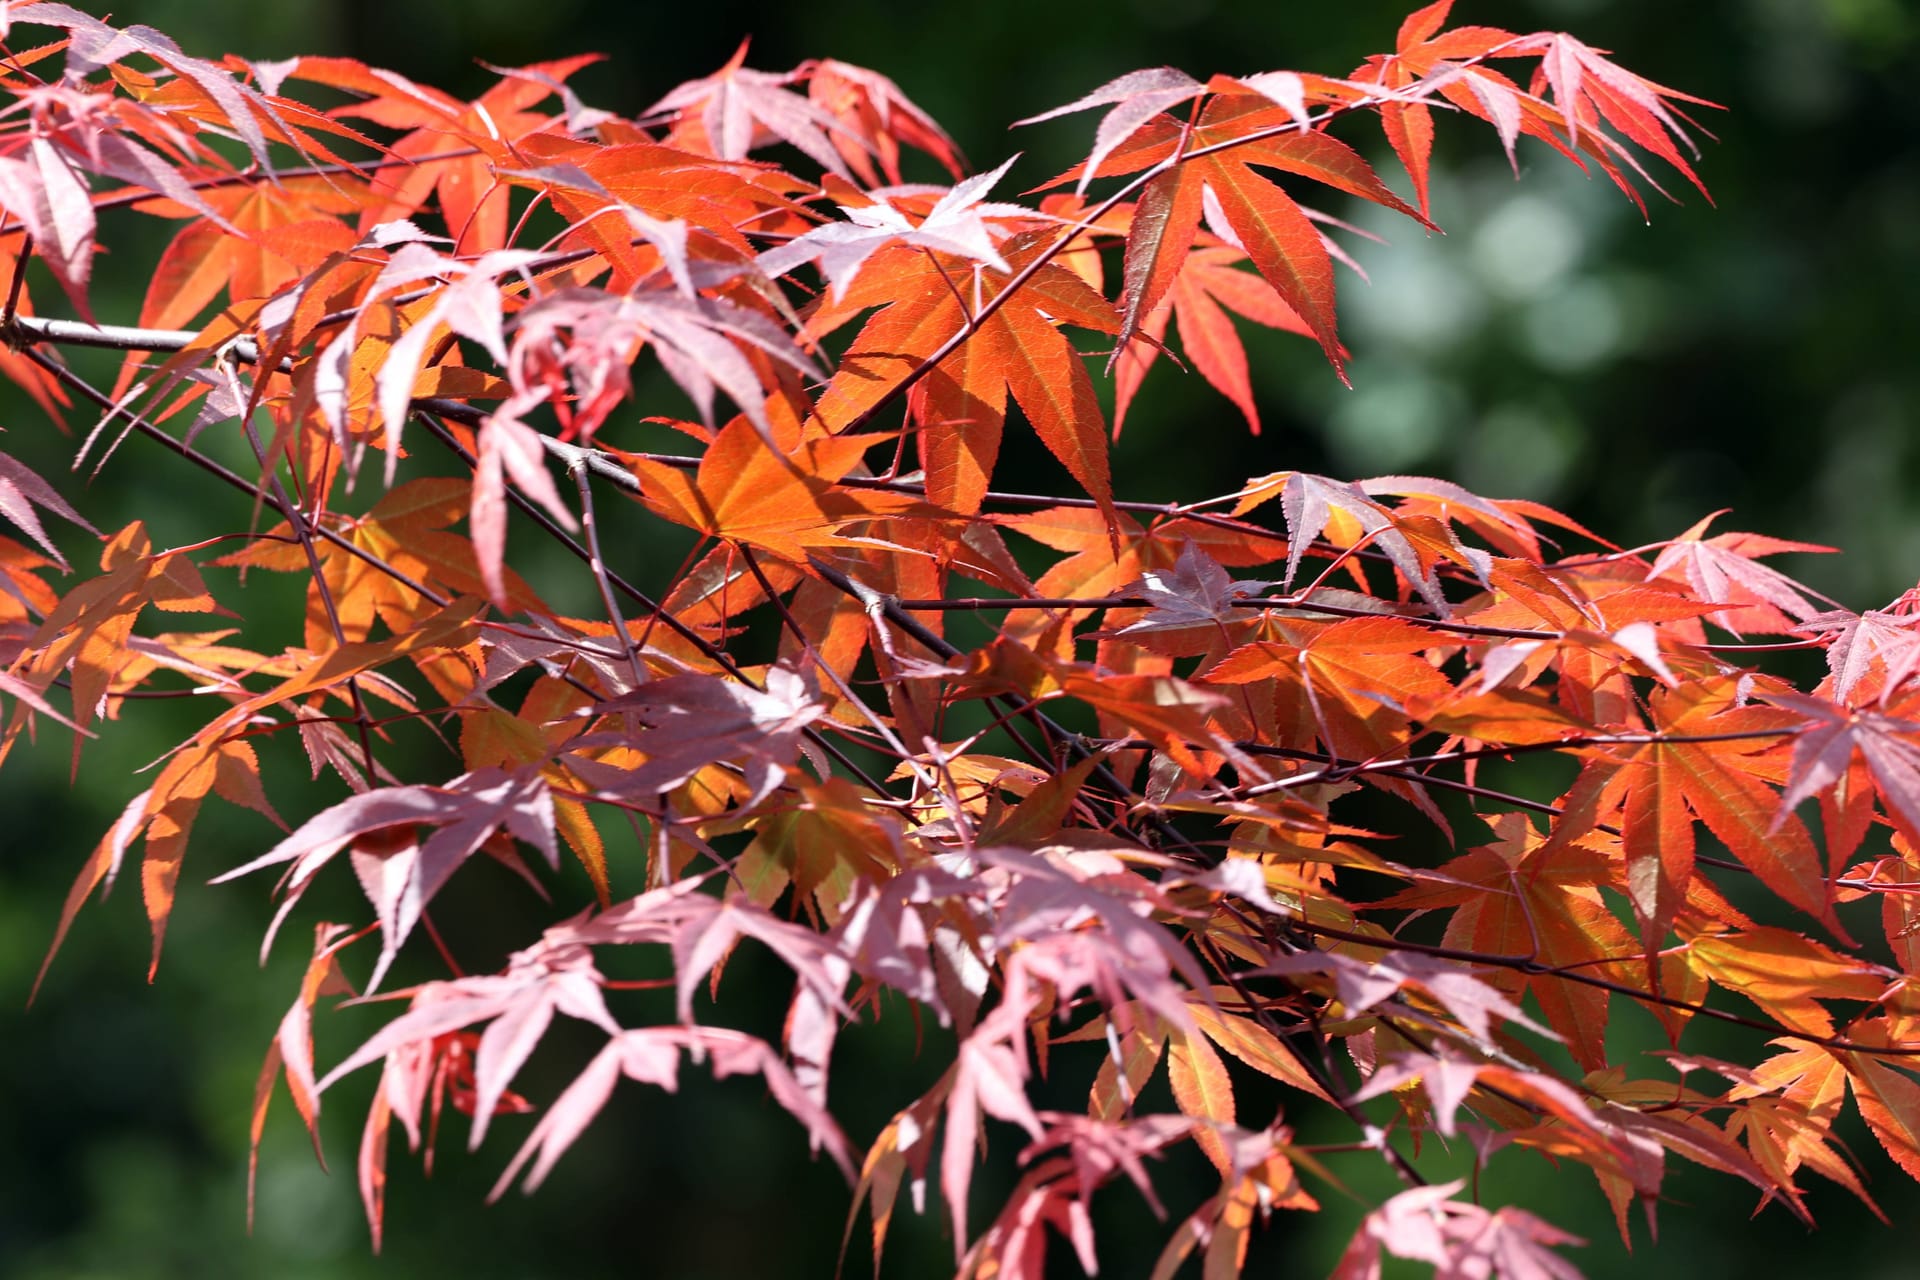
(1756, 357)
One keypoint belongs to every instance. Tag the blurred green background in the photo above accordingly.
(1757, 356)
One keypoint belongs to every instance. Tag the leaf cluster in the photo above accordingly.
(1041, 768)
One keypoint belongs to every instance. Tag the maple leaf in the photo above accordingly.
(1890, 1103)
(1825, 747)
(962, 404)
(1047, 907)
(784, 501)
(1127, 1067)
(1537, 902)
(588, 338)
(1362, 985)
(639, 206)
(20, 491)
(1203, 1090)
(1461, 1241)
(399, 871)
(1504, 524)
(1093, 567)
(1791, 1101)
(671, 240)
(1722, 569)
(1054, 1193)
(1786, 974)
(890, 932)
(736, 109)
(1213, 177)
(1343, 513)
(455, 149)
(1431, 63)
(406, 528)
(163, 816)
(1587, 87)
(872, 107)
(271, 237)
(1136, 98)
(1446, 1077)
(581, 119)
(1421, 50)
(200, 92)
(1727, 787)
(469, 305)
(1342, 683)
(547, 977)
(651, 1055)
(30, 696)
(702, 930)
(420, 1044)
(692, 721)
(52, 202)
(989, 1078)
(1195, 592)
(1853, 641)
(291, 1050)
(954, 225)
(1175, 715)
(555, 649)
(1208, 281)
(904, 1146)
(87, 632)
(1250, 1043)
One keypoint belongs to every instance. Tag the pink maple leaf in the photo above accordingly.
(545, 979)
(651, 1055)
(1823, 751)
(1588, 88)
(20, 491)
(1854, 640)
(693, 721)
(955, 225)
(1043, 921)
(1136, 98)
(872, 107)
(401, 872)
(573, 348)
(1195, 592)
(1461, 1241)
(738, 109)
(1057, 1188)
(989, 1077)
(701, 929)
(1360, 985)
(1722, 569)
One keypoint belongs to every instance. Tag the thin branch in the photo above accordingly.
(1092, 218)
(1534, 968)
(242, 177)
(1401, 1165)
(19, 280)
(1076, 746)
(227, 476)
(302, 528)
(546, 523)
(799, 633)
(590, 522)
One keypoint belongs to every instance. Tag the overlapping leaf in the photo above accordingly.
(1102, 823)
